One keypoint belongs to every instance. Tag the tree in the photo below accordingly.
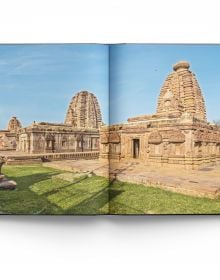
(216, 122)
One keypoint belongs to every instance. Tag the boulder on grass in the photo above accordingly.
(6, 184)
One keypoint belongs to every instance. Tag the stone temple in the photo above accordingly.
(84, 111)
(178, 134)
(9, 137)
(79, 132)
(141, 150)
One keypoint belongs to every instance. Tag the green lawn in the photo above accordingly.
(139, 199)
(40, 191)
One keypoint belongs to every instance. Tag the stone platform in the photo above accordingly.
(204, 182)
(201, 183)
(20, 158)
(98, 167)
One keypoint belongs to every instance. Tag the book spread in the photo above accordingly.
(97, 129)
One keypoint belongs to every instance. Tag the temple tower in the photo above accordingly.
(181, 93)
(84, 111)
(14, 125)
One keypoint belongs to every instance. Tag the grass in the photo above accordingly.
(39, 191)
(43, 190)
(139, 199)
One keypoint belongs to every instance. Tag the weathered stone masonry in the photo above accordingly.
(9, 137)
(79, 133)
(178, 134)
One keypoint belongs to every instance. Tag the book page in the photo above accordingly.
(164, 134)
(54, 100)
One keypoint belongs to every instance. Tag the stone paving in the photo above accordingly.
(99, 167)
(202, 183)
(12, 153)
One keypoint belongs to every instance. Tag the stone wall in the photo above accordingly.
(163, 143)
(19, 160)
(47, 138)
(8, 140)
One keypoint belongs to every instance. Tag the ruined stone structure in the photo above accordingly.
(79, 133)
(9, 137)
(178, 134)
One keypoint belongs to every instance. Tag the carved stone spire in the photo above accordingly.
(181, 93)
(14, 125)
(84, 111)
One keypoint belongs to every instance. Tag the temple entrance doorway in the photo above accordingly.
(136, 148)
(53, 145)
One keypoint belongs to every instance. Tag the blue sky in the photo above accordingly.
(37, 82)
(138, 72)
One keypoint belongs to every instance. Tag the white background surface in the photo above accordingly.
(161, 247)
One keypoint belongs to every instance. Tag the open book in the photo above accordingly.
(91, 129)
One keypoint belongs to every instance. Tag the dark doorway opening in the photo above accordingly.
(136, 148)
(53, 145)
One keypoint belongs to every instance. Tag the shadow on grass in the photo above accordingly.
(81, 201)
(22, 200)
(26, 181)
(113, 205)
(95, 202)
(65, 186)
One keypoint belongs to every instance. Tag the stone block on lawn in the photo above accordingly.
(6, 184)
